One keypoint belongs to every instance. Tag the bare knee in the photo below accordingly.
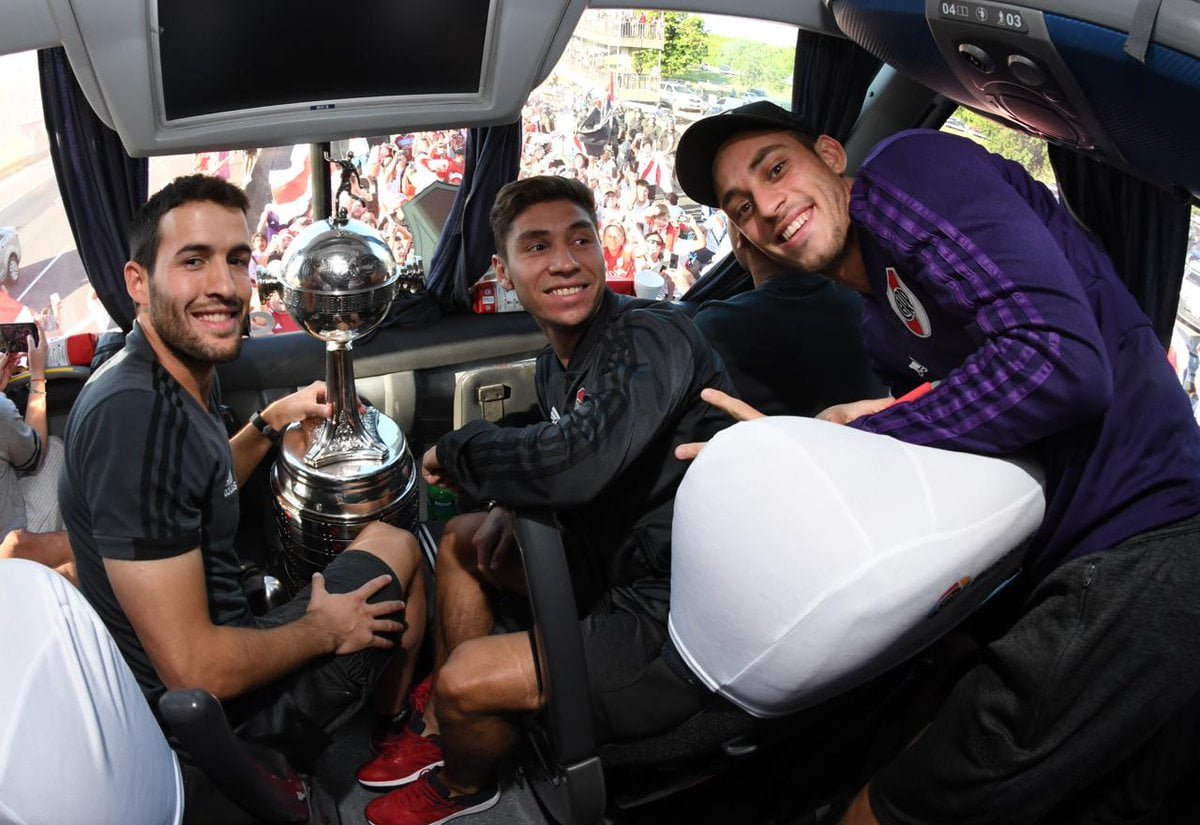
(484, 676)
(463, 683)
(396, 547)
(455, 549)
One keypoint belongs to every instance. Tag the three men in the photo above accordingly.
(150, 499)
(619, 386)
(979, 283)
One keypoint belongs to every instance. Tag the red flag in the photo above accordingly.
(289, 186)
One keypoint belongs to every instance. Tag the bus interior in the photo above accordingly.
(1103, 97)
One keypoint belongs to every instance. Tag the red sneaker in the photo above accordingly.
(418, 697)
(428, 802)
(386, 734)
(403, 760)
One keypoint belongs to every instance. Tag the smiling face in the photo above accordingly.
(195, 299)
(552, 259)
(614, 238)
(790, 201)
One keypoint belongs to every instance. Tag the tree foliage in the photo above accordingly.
(685, 43)
(755, 65)
(643, 60)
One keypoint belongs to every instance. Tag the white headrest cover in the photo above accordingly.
(78, 742)
(804, 552)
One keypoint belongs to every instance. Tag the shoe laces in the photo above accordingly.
(428, 793)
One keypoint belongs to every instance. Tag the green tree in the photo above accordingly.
(685, 43)
(755, 65)
(643, 60)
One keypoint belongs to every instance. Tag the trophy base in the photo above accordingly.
(320, 510)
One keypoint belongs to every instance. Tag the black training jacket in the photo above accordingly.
(604, 456)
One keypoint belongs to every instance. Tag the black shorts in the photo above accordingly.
(1085, 710)
(297, 713)
(635, 690)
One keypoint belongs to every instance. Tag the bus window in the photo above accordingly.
(42, 276)
(394, 170)
(611, 113)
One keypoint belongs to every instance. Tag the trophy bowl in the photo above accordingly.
(334, 477)
(339, 279)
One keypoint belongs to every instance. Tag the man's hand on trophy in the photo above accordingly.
(309, 402)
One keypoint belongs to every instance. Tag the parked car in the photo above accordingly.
(724, 104)
(679, 96)
(1189, 296)
(10, 252)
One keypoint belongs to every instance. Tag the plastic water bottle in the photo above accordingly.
(442, 504)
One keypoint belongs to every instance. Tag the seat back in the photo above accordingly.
(272, 793)
(78, 742)
(856, 551)
(565, 773)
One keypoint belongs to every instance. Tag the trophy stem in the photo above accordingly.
(339, 381)
(348, 434)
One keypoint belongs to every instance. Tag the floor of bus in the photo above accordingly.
(349, 750)
(765, 791)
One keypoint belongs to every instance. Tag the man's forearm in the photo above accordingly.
(229, 661)
(248, 447)
(35, 413)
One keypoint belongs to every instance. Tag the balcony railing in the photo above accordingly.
(623, 30)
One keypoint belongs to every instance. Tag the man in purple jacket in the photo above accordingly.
(978, 282)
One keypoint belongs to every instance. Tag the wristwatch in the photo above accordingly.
(259, 423)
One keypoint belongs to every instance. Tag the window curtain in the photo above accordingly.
(465, 249)
(831, 79)
(1142, 227)
(101, 185)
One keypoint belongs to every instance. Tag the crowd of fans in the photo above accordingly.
(392, 171)
(623, 151)
(625, 154)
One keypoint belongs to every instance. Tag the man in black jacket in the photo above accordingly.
(619, 386)
(792, 344)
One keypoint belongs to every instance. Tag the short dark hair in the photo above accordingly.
(514, 198)
(143, 228)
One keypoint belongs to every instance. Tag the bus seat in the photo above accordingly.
(258, 780)
(569, 773)
(565, 773)
(855, 550)
(72, 716)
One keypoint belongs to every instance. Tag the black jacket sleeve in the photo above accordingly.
(642, 379)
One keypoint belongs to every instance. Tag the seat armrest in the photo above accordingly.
(198, 721)
(556, 633)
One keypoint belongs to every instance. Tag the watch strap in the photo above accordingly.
(259, 423)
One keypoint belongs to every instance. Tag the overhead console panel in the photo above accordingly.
(173, 77)
(1059, 71)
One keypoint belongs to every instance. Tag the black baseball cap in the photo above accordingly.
(699, 144)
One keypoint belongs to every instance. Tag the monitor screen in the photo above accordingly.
(232, 55)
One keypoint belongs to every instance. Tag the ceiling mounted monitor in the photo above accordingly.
(223, 56)
(171, 76)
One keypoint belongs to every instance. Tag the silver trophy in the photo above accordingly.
(331, 479)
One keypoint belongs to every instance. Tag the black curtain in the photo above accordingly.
(1143, 227)
(101, 185)
(464, 251)
(830, 82)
